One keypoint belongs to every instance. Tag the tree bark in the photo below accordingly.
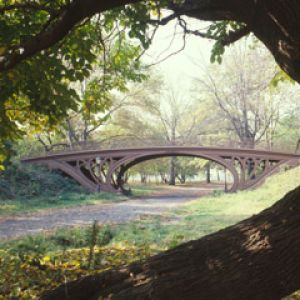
(172, 180)
(207, 167)
(256, 259)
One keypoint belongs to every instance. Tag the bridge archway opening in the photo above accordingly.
(193, 172)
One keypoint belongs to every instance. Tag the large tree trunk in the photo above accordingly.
(259, 258)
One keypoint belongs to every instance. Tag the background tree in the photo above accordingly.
(159, 117)
(287, 133)
(114, 69)
(240, 90)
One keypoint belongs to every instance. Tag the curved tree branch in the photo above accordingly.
(276, 24)
(78, 11)
(234, 36)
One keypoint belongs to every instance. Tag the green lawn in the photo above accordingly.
(198, 218)
(30, 204)
(9, 207)
(207, 214)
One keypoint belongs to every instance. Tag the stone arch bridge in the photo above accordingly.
(104, 170)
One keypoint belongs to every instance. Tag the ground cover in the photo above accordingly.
(26, 188)
(69, 254)
(22, 205)
(71, 199)
(34, 194)
(44, 202)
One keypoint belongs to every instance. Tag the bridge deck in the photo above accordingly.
(169, 149)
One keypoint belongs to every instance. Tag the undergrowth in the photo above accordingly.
(26, 188)
(23, 181)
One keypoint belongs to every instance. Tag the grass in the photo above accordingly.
(68, 199)
(141, 190)
(22, 205)
(194, 220)
(207, 214)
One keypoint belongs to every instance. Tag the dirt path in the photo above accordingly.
(25, 224)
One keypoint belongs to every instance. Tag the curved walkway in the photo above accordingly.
(21, 225)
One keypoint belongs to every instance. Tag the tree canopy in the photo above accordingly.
(42, 89)
(46, 46)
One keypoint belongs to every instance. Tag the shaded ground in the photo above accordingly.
(24, 224)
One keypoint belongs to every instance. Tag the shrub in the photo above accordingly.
(27, 181)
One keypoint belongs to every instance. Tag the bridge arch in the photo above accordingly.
(127, 163)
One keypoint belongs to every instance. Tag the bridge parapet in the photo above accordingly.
(104, 170)
(148, 143)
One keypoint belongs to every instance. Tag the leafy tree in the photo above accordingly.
(186, 168)
(155, 116)
(231, 21)
(97, 99)
(287, 133)
(42, 89)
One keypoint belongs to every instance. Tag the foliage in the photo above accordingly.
(66, 199)
(26, 181)
(219, 31)
(281, 76)
(41, 90)
(156, 115)
(25, 188)
(25, 277)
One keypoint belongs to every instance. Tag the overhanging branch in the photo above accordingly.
(76, 12)
(234, 36)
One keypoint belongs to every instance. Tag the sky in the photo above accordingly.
(178, 70)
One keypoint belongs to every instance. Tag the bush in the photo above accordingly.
(28, 181)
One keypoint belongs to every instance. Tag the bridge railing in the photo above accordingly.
(133, 143)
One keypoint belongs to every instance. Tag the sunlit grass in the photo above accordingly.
(141, 190)
(248, 202)
(191, 221)
(207, 214)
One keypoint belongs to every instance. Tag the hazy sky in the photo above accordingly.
(179, 69)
